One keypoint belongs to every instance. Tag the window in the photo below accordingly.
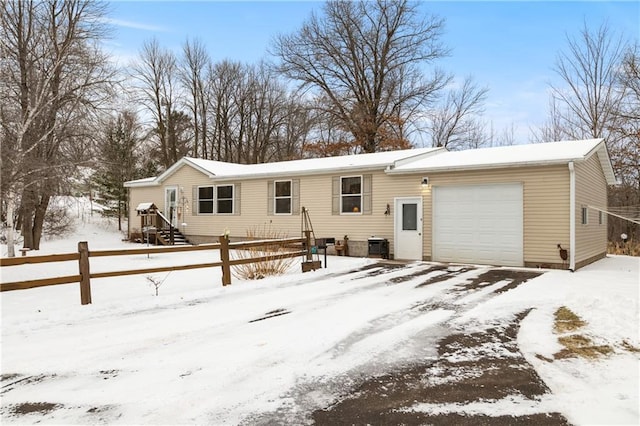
(410, 217)
(282, 197)
(351, 194)
(601, 218)
(585, 216)
(224, 197)
(205, 200)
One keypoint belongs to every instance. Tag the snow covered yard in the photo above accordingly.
(298, 348)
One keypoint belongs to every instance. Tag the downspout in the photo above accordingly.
(572, 217)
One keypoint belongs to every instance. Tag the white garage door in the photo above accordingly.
(478, 224)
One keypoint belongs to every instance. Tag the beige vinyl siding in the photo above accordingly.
(152, 194)
(546, 204)
(316, 196)
(591, 190)
(186, 178)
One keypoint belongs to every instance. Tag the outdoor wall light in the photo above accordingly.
(425, 182)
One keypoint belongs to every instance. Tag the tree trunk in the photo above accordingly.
(119, 216)
(38, 220)
(10, 212)
(27, 206)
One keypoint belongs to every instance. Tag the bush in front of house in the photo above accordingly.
(270, 266)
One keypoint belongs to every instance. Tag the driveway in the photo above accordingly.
(387, 343)
(478, 367)
(470, 367)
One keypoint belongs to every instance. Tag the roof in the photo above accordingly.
(311, 165)
(513, 156)
(140, 182)
(227, 171)
(144, 206)
(420, 160)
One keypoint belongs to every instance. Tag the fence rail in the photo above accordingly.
(84, 276)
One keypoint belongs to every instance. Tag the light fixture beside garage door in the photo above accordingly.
(425, 182)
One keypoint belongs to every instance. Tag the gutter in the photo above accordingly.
(572, 217)
(357, 169)
(490, 166)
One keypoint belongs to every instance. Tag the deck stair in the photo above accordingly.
(163, 237)
(168, 234)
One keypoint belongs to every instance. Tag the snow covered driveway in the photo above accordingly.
(311, 347)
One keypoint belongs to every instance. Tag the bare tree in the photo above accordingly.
(253, 117)
(222, 79)
(507, 137)
(588, 71)
(295, 132)
(156, 72)
(452, 122)
(365, 58)
(600, 100)
(53, 76)
(194, 65)
(554, 129)
(625, 147)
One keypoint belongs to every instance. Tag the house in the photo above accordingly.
(511, 206)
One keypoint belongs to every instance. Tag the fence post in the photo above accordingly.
(83, 263)
(307, 236)
(224, 257)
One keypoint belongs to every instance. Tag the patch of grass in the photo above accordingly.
(566, 321)
(8, 376)
(629, 347)
(34, 407)
(577, 345)
(630, 248)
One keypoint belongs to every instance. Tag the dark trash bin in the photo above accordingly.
(378, 247)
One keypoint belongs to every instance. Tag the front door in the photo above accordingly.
(408, 229)
(171, 204)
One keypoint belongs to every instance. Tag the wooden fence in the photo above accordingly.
(83, 255)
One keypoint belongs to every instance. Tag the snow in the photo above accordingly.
(219, 169)
(516, 155)
(200, 353)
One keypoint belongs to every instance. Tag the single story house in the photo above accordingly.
(511, 206)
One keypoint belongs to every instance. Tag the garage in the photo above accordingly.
(480, 224)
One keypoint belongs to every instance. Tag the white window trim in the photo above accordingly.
(275, 197)
(213, 200)
(584, 215)
(346, 195)
(233, 195)
(600, 218)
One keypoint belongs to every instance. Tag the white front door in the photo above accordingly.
(171, 204)
(407, 242)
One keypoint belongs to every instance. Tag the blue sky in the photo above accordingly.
(509, 46)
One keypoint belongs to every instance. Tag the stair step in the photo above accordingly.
(178, 238)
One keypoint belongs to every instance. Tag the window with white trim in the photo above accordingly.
(205, 200)
(601, 218)
(585, 216)
(224, 199)
(283, 197)
(351, 194)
